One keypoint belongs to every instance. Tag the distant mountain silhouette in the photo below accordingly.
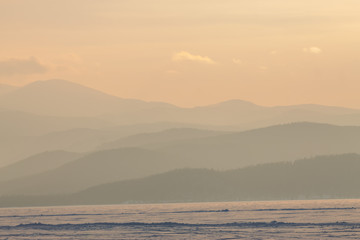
(319, 108)
(78, 139)
(169, 135)
(15, 123)
(63, 98)
(36, 164)
(271, 144)
(93, 169)
(21, 134)
(315, 178)
(320, 177)
(249, 115)
(4, 89)
(226, 151)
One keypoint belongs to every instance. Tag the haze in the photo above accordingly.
(188, 53)
(108, 97)
(179, 119)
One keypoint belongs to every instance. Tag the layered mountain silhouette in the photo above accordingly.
(36, 164)
(14, 123)
(225, 151)
(88, 139)
(23, 134)
(319, 177)
(58, 137)
(4, 89)
(67, 99)
(162, 137)
(62, 98)
(271, 144)
(93, 169)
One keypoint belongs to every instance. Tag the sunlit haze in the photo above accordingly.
(188, 53)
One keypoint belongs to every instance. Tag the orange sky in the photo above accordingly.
(270, 52)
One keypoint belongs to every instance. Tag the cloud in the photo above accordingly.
(186, 56)
(21, 66)
(314, 50)
(237, 61)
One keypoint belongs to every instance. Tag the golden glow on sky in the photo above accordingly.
(270, 52)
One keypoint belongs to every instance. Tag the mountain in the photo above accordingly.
(320, 177)
(36, 164)
(5, 89)
(23, 134)
(78, 139)
(169, 135)
(62, 98)
(271, 144)
(222, 152)
(15, 123)
(318, 108)
(93, 169)
(249, 115)
(34, 134)
(67, 99)
(315, 178)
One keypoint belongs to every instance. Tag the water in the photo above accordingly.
(319, 219)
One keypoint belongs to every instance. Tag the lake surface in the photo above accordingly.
(311, 219)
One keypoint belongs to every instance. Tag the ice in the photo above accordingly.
(325, 219)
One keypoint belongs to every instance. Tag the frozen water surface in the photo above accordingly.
(312, 219)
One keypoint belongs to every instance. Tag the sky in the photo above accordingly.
(188, 53)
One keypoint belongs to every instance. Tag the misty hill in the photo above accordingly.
(4, 89)
(14, 123)
(62, 98)
(165, 136)
(272, 144)
(22, 134)
(243, 115)
(76, 139)
(86, 140)
(36, 164)
(226, 151)
(56, 133)
(319, 108)
(249, 115)
(319, 177)
(93, 169)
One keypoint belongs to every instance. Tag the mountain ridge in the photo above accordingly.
(326, 177)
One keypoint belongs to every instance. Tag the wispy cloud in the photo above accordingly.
(314, 50)
(186, 56)
(237, 61)
(21, 66)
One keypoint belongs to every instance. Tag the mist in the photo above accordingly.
(179, 119)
